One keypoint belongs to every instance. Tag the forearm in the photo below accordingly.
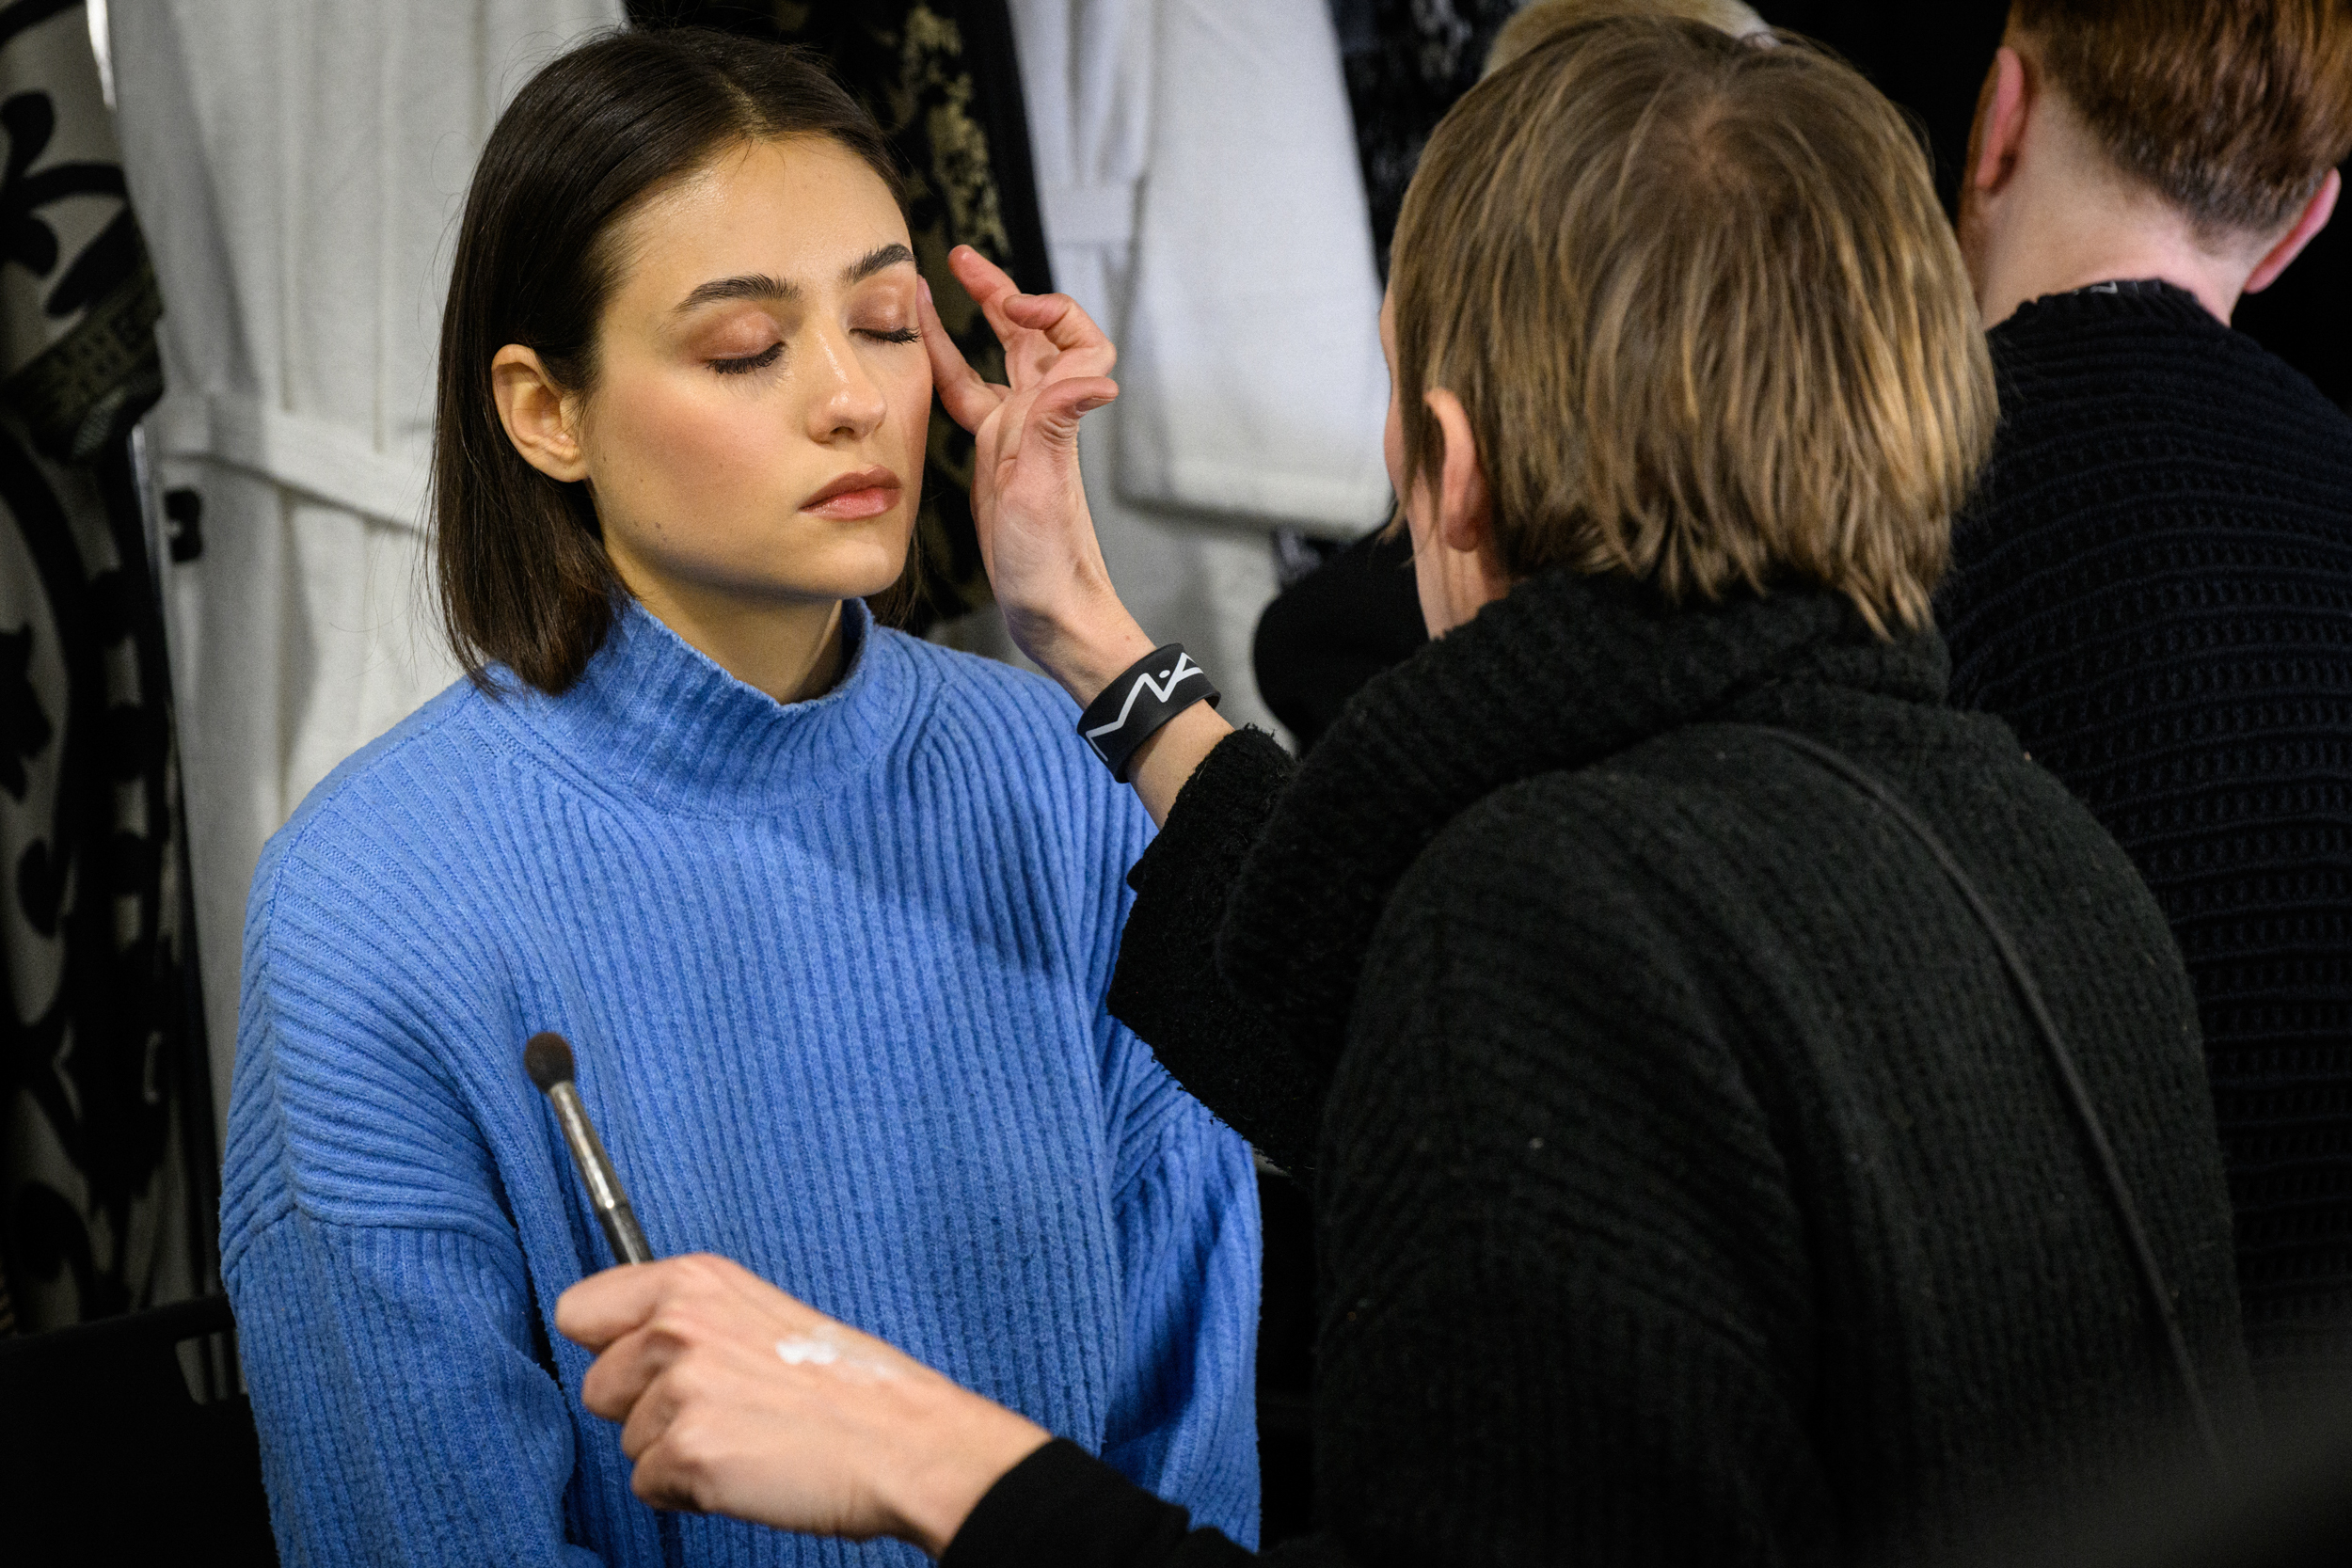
(1165, 986)
(1062, 1505)
(1167, 762)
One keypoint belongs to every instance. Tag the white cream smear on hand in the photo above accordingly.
(825, 1350)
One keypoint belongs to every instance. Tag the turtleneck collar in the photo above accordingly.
(653, 716)
(2142, 299)
(1563, 672)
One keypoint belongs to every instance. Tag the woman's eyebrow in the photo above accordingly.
(757, 285)
(749, 286)
(875, 261)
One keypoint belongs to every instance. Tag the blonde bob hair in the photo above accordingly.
(1547, 19)
(1705, 314)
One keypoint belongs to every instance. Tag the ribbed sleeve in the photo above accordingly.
(834, 975)
(1178, 1413)
(1167, 985)
(398, 1376)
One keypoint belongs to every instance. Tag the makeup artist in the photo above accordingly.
(1697, 1180)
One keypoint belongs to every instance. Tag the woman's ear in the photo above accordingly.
(538, 415)
(1465, 505)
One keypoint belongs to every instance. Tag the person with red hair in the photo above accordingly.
(2153, 586)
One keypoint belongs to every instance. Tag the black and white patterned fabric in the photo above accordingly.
(109, 1169)
(1408, 61)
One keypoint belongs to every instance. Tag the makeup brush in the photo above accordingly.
(548, 1057)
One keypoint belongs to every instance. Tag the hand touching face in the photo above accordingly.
(1037, 535)
(1028, 500)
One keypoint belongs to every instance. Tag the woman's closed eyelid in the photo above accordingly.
(743, 364)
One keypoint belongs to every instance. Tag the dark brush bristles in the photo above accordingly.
(548, 1057)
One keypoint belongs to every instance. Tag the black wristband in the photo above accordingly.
(1132, 708)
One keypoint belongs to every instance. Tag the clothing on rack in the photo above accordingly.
(108, 1164)
(1407, 62)
(1197, 175)
(298, 167)
(1336, 622)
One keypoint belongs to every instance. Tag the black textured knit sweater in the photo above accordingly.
(1691, 1187)
(2154, 590)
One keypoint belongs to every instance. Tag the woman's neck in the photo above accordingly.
(789, 649)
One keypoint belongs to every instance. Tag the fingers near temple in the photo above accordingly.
(1047, 419)
(968, 398)
(1059, 405)
(990, 287)
(1062, 320)
(982, 278)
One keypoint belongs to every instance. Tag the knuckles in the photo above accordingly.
(701, 1274)
(691, 1462)
(596, 1394)
(686, 1382)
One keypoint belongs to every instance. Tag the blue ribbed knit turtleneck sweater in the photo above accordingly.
(834, 972)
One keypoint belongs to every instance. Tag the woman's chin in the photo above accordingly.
(852, 567)
(860, 560)
(844, 560)
(875, 575)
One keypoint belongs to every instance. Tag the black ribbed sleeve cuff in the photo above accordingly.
(1063, 1506)
(1165, 988)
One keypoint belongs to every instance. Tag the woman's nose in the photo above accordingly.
(849, 402)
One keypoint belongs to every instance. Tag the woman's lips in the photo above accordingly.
(855, 497)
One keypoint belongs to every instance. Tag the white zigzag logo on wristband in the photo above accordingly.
(1161, 691)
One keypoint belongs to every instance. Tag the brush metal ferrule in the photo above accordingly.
(597, 1175)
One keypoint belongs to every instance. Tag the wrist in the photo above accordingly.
(1084, 648)
(942, 1488)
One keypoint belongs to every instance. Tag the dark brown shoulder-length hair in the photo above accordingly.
(523, 576)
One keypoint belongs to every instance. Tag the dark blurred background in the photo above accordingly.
(1931, 59)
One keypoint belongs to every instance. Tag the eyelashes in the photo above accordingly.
(745, 364)
(749, 362)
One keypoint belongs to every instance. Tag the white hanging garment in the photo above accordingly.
(1197, 175)
(298, 167)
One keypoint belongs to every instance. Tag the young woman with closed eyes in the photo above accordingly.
(826, 914)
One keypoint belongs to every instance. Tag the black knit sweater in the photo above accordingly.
(1690, 1186)
(2154, 589)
